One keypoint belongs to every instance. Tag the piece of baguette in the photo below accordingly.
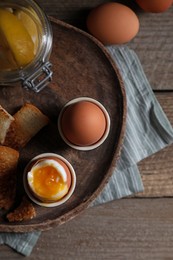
(8, 166)
(28, 121)
(5, 121)
(24, 211)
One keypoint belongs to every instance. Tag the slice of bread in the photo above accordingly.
(8, 166)
(24, 211)
(28, 121)
(5, 121)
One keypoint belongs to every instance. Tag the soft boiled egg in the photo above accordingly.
(49, 179)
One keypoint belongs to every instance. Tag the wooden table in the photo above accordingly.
(140, 227)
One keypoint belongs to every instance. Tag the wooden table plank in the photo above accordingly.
(124, 229)
(153, 45)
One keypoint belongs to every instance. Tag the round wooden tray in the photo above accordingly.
(82, 67)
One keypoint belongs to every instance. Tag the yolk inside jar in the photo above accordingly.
(48, 183)
(18, 39)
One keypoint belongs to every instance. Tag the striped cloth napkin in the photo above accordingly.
(147, 131)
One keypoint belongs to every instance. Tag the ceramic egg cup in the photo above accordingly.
(58, 202)
(103, 138)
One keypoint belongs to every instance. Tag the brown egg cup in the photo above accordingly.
(103, 138)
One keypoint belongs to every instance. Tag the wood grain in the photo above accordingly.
(156, 170)
(153, 45)
(124, 229)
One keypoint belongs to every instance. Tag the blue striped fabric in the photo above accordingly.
(148, 130)
(21, 242)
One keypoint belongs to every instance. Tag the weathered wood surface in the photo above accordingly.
(157, 170)
(133, 228)
(154, 46)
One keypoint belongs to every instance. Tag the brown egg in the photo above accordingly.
(113, 23)
(83, 123)
(154, 6)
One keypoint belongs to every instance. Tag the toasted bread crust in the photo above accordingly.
(8, 166)
(5, 121)
(8, 160)
(25, 124)
(24, 211)
(28, 121)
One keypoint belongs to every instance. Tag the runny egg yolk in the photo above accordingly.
(48, 180)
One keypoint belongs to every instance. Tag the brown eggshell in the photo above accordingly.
(83, 123)
(113, 23)
(65, 168)
(154, 6)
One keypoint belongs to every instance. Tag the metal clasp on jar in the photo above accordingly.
(39, 79)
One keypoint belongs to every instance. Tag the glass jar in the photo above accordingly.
(37, 73)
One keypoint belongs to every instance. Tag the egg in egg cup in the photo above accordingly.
(84, 123)
(49, 180)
